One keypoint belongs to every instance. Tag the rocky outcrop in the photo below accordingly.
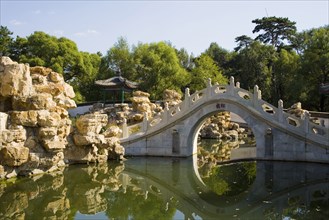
(141, 105)
(171, 97)
(94, 140)
(35, 128)
(296, 110)
(219, 126)
(134, 113)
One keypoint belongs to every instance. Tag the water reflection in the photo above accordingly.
(165, 188)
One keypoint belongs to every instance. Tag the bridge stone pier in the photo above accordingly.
(279, 135)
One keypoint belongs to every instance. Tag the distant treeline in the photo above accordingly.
(284, 63)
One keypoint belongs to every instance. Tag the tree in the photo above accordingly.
(217, 53)
(253, 67)
(243, 41)
(315, 68)
(119, 58)
(274, 30)
(158, 68)
(61, 55)
(5, 41)
(205, 68)
(186, 60)
(286, 67)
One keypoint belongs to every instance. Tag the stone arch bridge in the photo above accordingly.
(279, 135)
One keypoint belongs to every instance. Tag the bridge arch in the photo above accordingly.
(214, 107)
(279, 135)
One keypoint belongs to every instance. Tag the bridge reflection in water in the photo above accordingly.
(171, 188)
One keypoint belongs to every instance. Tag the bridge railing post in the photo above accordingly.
(230, 87)
(187, 99)
(257, 96)
(165, 116)
(306, 121)
(145, 122)
(125, 132)
(208, 89)
(280, 111)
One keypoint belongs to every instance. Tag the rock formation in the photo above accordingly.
(171, 97)
(219, 126)
(141, 105)
(35, 126)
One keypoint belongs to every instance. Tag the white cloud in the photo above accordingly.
(92, 31)
(86, 33)
(16, 22)
(58, 32)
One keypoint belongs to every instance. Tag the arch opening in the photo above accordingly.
(222, 136)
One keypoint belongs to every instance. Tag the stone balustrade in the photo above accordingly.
(232, 92)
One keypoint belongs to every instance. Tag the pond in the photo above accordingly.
(171, 188)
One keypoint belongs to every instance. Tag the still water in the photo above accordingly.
(167, 188)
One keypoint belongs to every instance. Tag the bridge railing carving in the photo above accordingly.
(252, 101)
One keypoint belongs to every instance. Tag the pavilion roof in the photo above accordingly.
(117, 83)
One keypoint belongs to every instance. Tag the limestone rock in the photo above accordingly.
(172, 97)
(56, 77)
(113, 131)
(296, 110)
(25, 118)
(48, 119)
(15, 80)
(40, 70)
(91, 123)
(90, 138)
(14, 134)
(68, 91)
(54, 144)
(14, 155)
(141, 104)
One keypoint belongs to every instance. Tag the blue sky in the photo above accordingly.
(97, 25)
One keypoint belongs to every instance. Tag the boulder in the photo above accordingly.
(44, 71)
(15, 79)
(90, 138)
(91, 123)
(14, 155)
(172, 97)
(25, 118)
(14, 134)
(113, 131)
(56, 77)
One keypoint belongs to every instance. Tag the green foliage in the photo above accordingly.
(186, 60)
(275, 60)
(62, 56)
(5, 40)
(252, 67)
(233, 179)
(205, 68)
(315, 68)
(158, 68)
(119, 58)
(243, 42)
(274, 30)
(286, 68)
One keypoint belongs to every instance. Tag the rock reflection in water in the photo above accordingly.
(166, 188)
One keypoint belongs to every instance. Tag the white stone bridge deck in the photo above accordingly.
(279, 135)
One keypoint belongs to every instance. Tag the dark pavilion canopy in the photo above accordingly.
(117, 83)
